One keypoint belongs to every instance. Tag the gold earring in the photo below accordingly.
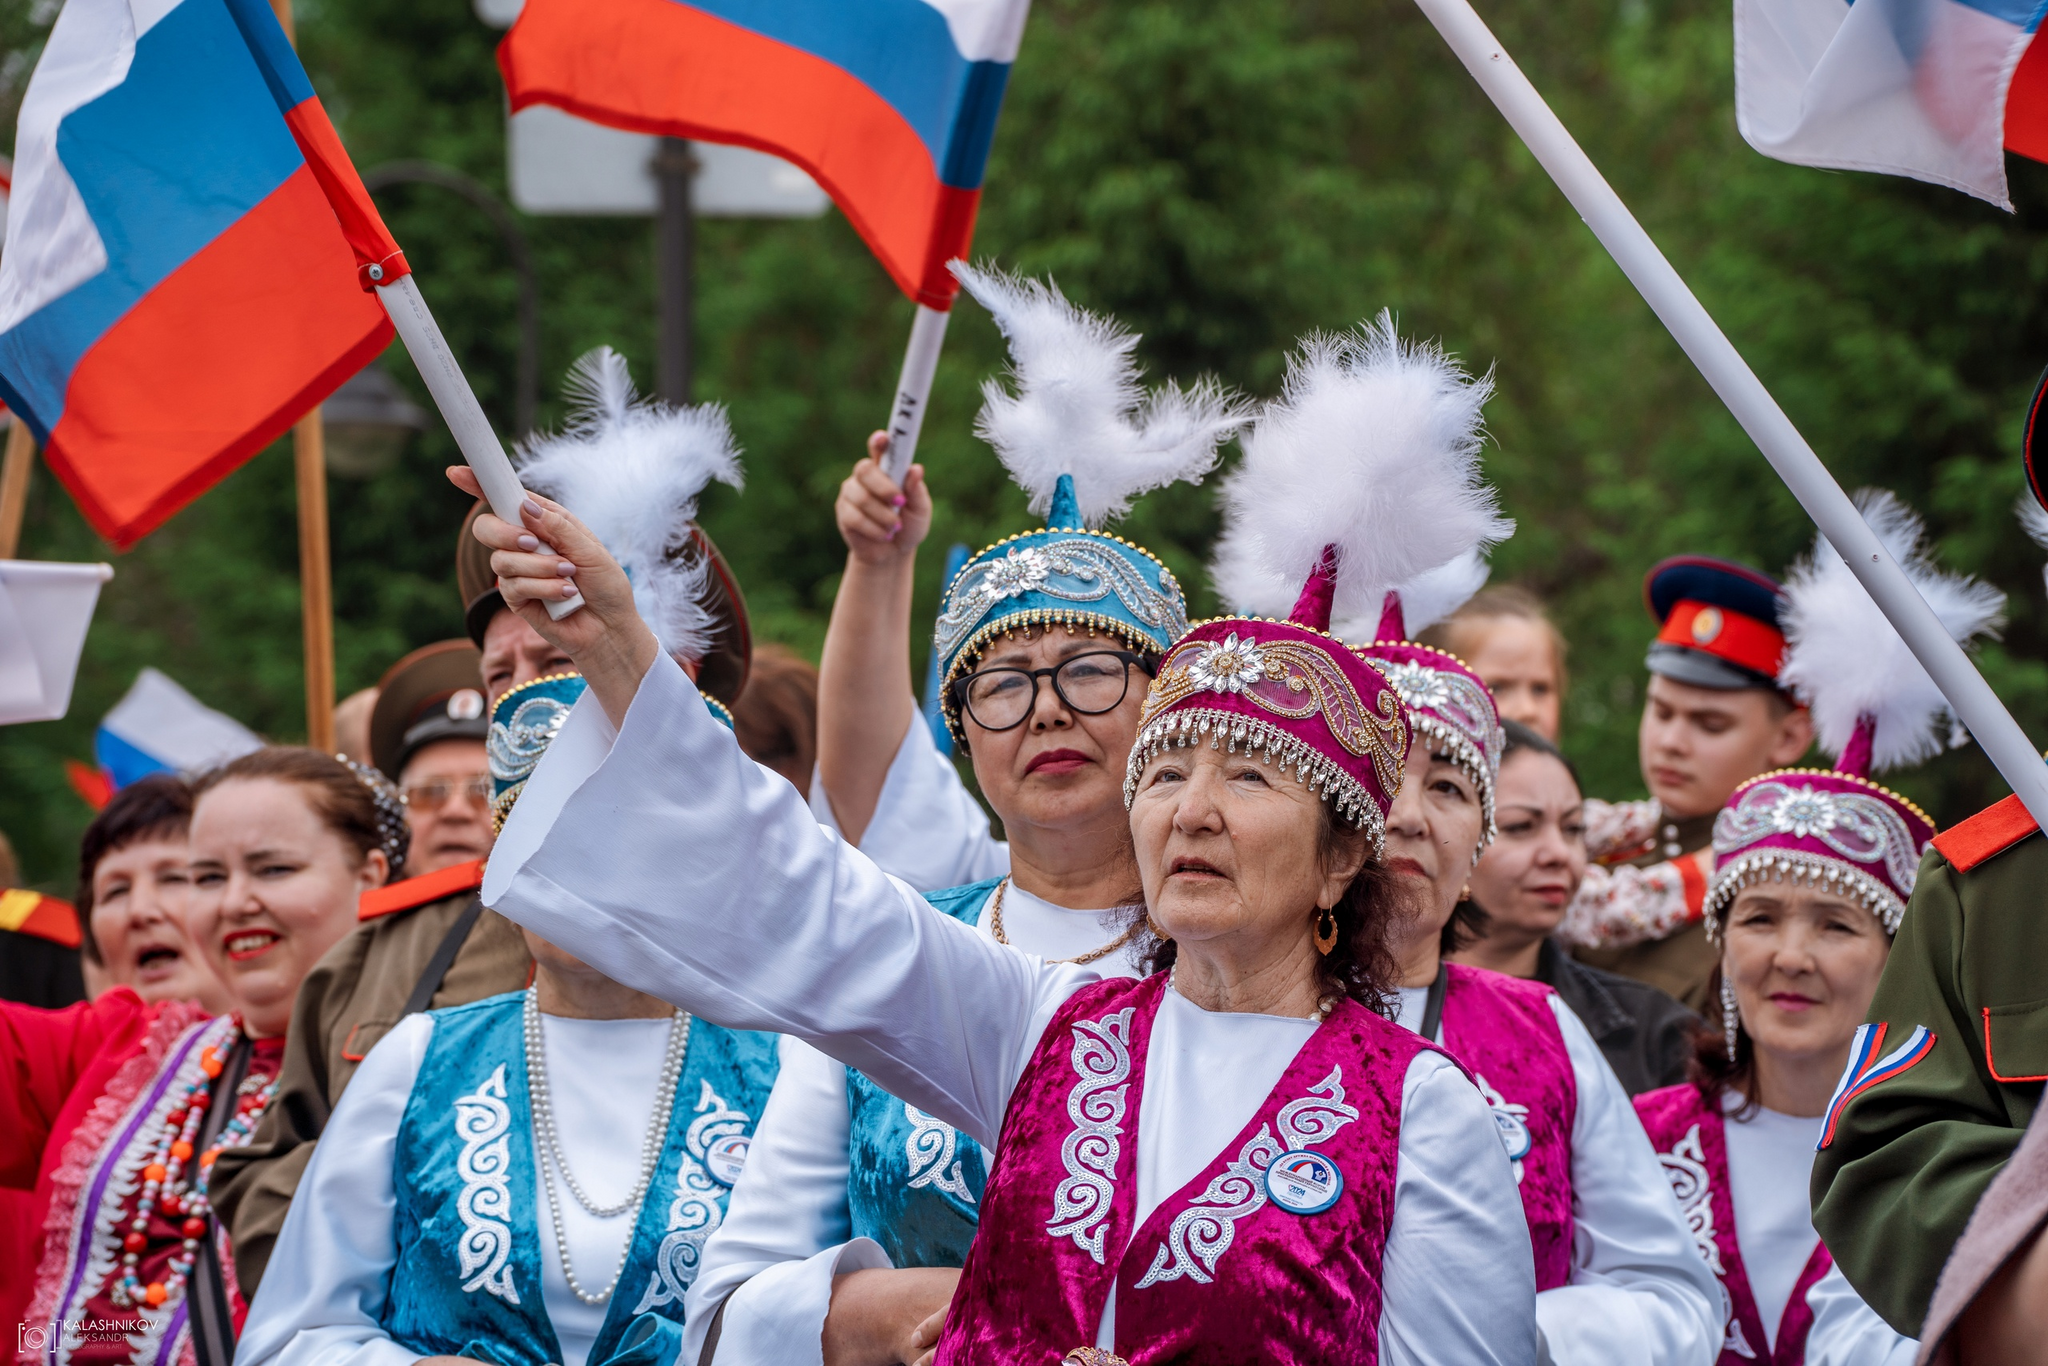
(1326, 932)
(1465, 892)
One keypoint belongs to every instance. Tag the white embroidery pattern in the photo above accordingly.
(694, 1215)
(1685, 1167)
(485, 1164)
(1102, 1061)
(1203, 1231)
(930, 1146)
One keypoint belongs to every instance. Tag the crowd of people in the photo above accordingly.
(628, 991)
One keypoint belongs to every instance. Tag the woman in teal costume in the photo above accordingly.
(858, 1208)
(527, 1179)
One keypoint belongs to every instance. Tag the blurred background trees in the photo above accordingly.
(1223, 175)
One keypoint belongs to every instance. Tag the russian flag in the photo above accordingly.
(180, 282)
(158, 727)
(889, 104)
(1937, 90)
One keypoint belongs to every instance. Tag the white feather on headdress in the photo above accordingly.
(1373, 446)
(1843, 657)
(2034, 518)
(633, 471)
(1079, 409)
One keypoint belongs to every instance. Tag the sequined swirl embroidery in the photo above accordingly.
(695, 1214)
(1073, 570)
(1862, 829)
(484, 1166)
(930, 1148)
(1203, 1232)
(1102, 1061)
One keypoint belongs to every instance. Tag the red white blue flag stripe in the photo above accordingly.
(889, 104)
(1933, 89)
(1866, 1069)
(178, 286)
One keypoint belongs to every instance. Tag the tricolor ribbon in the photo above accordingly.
(1866, 1069)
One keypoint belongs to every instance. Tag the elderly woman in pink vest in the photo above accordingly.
(1617, 1276)
(1238, 1158)
(1812, 871)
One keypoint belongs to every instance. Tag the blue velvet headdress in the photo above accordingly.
(1082, 438)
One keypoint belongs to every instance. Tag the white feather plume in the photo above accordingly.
(2034, 518)
(1373, 446)
(1844, 659)
(1079, 409)
(1426, 599)
(633, 472)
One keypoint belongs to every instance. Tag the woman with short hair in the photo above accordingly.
(1234, 1159)
(113, 1111)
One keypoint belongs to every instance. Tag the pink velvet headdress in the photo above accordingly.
(1875, 707)
(1371, 441)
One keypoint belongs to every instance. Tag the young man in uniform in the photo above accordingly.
(426, 942)
(1713, 717)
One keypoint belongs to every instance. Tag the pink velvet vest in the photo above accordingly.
(1504, 1030)
(1220, 1274)
(1690, 1137)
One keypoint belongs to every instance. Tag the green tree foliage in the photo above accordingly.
(1224, 175)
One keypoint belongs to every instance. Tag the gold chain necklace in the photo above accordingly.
(995, 928)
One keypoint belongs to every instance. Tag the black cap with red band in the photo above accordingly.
(1718, 623)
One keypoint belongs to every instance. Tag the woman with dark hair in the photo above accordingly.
(1617, 1278)
(1234, 1159)
(1522, 885)
(134, 880)
(1812, 871)
(113, 1111)
(857, 1207)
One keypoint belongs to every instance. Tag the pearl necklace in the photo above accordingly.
(548, 1144)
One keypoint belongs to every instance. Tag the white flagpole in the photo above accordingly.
(914, 389)
(459, 408)
(1975, 704)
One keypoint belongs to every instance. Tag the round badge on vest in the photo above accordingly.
(727, 1158)
(1514, 1134)
(1303, 1181)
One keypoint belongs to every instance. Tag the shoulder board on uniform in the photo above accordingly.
(423, 890)
(45, 917)
(1991, 831)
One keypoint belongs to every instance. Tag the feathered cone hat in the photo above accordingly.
(1874, 707)
(1082, 438)
(1370, 460)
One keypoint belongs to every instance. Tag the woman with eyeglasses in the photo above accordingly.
(849, 1228)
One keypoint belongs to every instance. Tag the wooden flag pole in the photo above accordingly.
(21, 459)
(1972, 699)
(316, 573)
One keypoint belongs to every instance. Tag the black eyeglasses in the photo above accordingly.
(1090, 684)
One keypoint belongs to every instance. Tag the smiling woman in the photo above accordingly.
(113, 1112)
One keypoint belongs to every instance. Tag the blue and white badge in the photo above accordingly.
(727, 1158)
(1303, 1181)
(1514, 1134)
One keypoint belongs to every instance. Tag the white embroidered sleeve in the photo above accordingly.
(1848, 1332)
(668, 860)
(322, 1299)
(1616, 907)
(927, 828)
(1617, 827)
(1639, 1292)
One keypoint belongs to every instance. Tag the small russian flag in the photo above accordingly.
(180, 282)
(889, 104)
(1866, 1069)
(158, 727)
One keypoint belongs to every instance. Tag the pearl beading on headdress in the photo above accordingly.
(394, 832)
(1182, 728)
(1801, 868)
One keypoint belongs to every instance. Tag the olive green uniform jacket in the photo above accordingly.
(1902, 1163)
(352, 998)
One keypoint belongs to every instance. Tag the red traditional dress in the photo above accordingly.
(103, 1120)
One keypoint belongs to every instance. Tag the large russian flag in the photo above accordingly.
(1938, 90)
(180, 282)
(889, 104)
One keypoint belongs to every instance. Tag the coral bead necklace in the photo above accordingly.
(174, 1185)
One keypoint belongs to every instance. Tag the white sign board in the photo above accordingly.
(565, 165)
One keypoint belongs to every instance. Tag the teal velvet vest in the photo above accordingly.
(467, 1279)
(914, 1182)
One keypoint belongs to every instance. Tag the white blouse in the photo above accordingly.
(1848, 1332)
(324, 1292)
(1639, 1291)
(1770, 1161)
(927, 828)
(667, 860)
